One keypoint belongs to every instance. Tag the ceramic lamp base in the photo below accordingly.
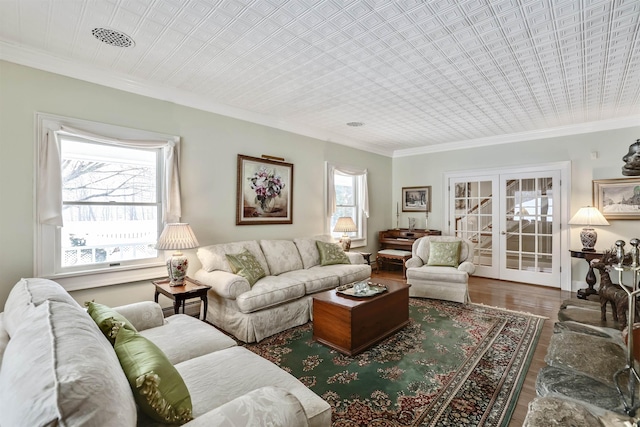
(177, 268)
(588, 237)
(345, 241)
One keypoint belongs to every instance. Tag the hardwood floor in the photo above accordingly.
(538, 300)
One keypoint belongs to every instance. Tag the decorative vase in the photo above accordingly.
(268, 205)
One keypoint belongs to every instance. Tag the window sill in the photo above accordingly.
(89, 280)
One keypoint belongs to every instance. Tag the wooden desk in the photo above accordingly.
(591, 275)
(402, 238)
(179, 294)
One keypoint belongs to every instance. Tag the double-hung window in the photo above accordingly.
(102, 201)
(347, 197)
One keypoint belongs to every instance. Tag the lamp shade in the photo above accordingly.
(177, 236)
(345, 224)
(588, 215)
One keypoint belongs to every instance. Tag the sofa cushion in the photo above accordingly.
(157, 386)
(213, 257)
(58, 369)
(106, 318)
(346, 273)
(314, 279)
(437, 274)
(281, 255)
(29, 293)
(331, 253)
(444, 253)
(309, 251)
(246, 265)
(184, 337)
(270, 291)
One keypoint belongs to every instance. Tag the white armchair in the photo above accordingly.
(440, 277)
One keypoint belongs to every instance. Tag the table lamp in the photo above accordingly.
(345, 225)
(177, 236)
(588, 216)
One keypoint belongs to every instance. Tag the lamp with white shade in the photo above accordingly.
(345, 225)
(176, 237)
(588, 216)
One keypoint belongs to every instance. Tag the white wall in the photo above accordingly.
(210, 145)
(429, 169)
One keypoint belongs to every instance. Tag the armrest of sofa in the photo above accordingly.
(142, 315)
(267, 406)
(227, 285)
(4, 337)
(355, 257)
(467, 266)
(414, 262)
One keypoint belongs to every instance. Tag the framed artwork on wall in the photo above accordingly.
(416, 199)
(617, 198)
(264, 191)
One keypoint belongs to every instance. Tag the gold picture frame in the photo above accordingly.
(264, 191)
(416, 199)
(617, 198)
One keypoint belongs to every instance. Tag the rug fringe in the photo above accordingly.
(510, 311)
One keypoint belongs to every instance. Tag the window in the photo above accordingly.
(102, 198)
(347, 196)
(111, 204)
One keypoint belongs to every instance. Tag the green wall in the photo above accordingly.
(210, 145)
(611, 146)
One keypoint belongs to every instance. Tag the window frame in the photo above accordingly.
(360, 240)
(47, 243)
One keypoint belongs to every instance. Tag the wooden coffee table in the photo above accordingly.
(352, 324)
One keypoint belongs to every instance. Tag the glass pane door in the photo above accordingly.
(475, 211)
(527, 228)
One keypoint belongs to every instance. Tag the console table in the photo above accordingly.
(591, 275)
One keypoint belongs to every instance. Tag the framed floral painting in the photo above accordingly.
(264, 191)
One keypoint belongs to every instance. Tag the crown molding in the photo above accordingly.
(44, 61)
(575, 129)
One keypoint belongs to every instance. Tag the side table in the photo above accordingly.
(179, 294)
(591, 275)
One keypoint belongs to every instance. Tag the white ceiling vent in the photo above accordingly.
(113, 37)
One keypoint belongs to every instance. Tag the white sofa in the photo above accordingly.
(57, 368)
(449, 283)
(282, 299)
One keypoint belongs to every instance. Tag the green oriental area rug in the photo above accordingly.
(453, 365)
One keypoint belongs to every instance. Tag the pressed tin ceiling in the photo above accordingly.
(420, 75)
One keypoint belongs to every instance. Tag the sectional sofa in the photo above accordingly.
(280, 300)
(58, 368)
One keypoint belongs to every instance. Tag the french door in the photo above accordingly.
(514, 221)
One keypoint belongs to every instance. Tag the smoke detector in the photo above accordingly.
(113, 37)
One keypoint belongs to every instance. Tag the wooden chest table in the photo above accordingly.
(352, 324)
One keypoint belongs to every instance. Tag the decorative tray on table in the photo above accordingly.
(353, 290)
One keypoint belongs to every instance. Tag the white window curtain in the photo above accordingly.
(363, 193)
(50, 173)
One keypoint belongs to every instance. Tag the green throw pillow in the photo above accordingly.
(331, 253)
(106, 318)
(444, 253)
(246, 265)
(157, 386)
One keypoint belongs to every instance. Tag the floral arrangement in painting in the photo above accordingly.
(267, 186)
